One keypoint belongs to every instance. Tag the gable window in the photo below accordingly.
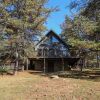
(52, 46)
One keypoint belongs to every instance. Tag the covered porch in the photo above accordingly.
(51, 64)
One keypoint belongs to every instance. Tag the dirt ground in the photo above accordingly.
(36, 86)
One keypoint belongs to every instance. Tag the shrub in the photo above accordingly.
(3, 70)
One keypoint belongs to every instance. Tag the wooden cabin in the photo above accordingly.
(51, 54)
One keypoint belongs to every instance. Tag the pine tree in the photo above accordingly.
(82, 31)
(20, 22)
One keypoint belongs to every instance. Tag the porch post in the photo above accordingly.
(44, 66)
(27, 61)
(62, 64)
(16, 63)
(44, 61)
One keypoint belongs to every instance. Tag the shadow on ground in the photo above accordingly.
(85, 75)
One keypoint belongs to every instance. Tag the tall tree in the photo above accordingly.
(83, 30)
(21, 22)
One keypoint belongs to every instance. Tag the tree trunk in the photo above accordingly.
(97, 59)
(16, 64)
(16, 68)
(23, 68)
(81, 68)
(27, 64)
(81, 65)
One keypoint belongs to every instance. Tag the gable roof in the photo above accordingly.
(51, 32)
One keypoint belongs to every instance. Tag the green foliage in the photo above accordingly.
(20, 22)
(82, 44)
(83, 31)
(85, 25)
(3, 70)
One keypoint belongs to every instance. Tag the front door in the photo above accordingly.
(32, 65)
(50, 66)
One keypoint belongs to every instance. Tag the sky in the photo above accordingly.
(57, 18)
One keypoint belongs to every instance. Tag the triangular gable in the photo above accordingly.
(52, 33)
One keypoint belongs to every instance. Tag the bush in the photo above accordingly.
(3, 70)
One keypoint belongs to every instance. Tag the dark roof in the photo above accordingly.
(56, 36)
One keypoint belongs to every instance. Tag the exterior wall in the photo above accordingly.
(58, 66)
(39, 65)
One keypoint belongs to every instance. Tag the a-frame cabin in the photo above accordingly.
(52, 54)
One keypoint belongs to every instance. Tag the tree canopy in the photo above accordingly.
(21, 21)
(82, 31)
(84, 27)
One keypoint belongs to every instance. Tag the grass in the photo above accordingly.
(32, 86)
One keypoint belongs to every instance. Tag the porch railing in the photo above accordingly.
(51, 54)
